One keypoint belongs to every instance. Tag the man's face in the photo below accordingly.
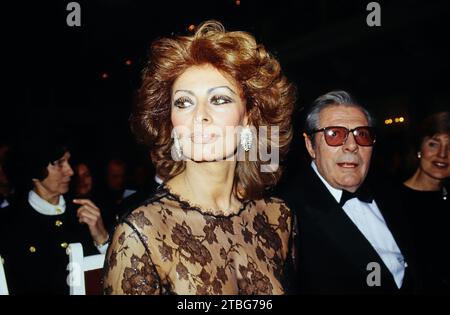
(345, 166)
(58, 178)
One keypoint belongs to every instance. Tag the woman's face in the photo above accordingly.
(84, 184)
(435, 160)
(206, 108)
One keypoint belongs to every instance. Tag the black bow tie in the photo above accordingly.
(363, 194)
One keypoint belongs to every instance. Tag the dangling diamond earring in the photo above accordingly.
(419, 155)
(177, 146)
(246, 139)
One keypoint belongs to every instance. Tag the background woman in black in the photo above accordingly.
(427, 204)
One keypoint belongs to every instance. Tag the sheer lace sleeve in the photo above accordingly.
(128, 267)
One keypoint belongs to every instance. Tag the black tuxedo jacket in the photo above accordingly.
(332, 255)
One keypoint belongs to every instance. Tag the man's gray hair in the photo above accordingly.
(331, 99)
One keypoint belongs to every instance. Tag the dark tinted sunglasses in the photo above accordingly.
(336, 135)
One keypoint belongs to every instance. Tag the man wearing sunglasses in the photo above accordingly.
(350, 238)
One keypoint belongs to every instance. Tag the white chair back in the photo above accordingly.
(78, 265)
(3, 283)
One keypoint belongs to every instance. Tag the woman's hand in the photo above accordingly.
(90, 214)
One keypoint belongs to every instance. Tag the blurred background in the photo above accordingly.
(82, 81)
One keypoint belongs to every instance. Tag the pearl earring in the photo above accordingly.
(419, 155)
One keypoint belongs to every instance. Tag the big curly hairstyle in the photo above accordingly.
(268, 96)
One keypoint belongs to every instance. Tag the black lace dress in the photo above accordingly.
(169, 246)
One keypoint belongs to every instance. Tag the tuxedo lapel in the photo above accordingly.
(321, 206)
(392, 210)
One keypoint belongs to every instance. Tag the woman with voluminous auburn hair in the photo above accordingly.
(215, 110)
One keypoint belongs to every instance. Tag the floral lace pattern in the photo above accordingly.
(171, 247)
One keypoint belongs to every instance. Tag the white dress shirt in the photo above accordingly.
(4, 204)
(45, 208)
(369, 220)
(127, 193)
